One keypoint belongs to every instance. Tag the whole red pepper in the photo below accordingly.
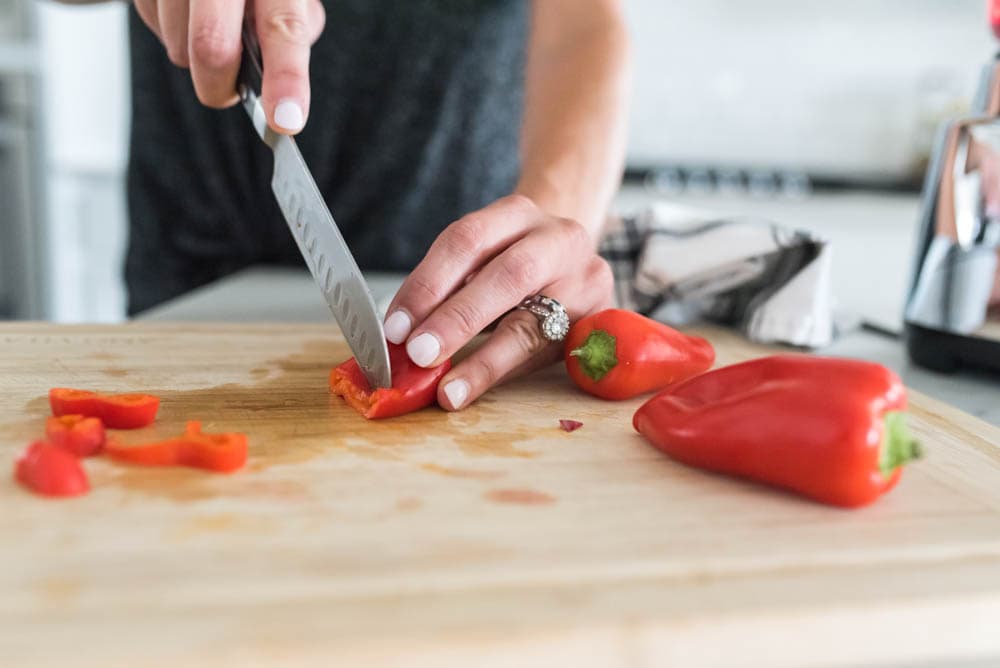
(222, 453)
(51, 470)
(82, 436)
(830, 429)
(413, 387)
(116, 411)
(617, 354)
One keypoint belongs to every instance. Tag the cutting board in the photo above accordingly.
(486, 537)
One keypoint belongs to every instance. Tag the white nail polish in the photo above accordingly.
(288, 115)
(424, 349)
(397, 327)
(457, 392)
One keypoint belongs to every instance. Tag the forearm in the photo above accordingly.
(574, 129)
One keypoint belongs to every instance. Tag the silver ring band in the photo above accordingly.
(552, 316)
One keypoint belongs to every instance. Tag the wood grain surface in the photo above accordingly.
(483, 538)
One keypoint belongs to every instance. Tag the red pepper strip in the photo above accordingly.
(223, 453)
(413, 387)
(617, 354)
(82, 436)
(51, 470)
(116, 411)
(570, 425)
(830, 429)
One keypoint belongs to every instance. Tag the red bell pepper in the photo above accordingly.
(82, 436)
(413, 387)
(223, 453)
(830, 429)
(116, 411)
(617, 354)
(51, 470)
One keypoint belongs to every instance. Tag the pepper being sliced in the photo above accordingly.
(82, 436)
(618, 354)
(833, 430)
(413, 387)
(116, 411)
(222, 453)
(51, 470)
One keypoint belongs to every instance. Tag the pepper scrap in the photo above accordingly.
(618, 354)
(413, 387)
(832, 430)
(570, 425)
(116, 411)
(51, 470)
(81, 436)
(222, 453)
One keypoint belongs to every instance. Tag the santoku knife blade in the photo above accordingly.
(315, 231)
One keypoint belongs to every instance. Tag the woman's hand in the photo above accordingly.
(479, 269)
(205, 36)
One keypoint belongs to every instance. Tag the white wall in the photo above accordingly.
(85, 116)
(847, 88)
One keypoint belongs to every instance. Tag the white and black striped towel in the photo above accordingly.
(679, 265)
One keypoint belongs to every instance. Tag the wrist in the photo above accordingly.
(562, 202)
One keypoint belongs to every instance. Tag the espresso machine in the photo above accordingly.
(952, 316)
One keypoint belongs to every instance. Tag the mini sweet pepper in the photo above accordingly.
(413, 387)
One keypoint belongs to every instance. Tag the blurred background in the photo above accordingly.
(819, 115)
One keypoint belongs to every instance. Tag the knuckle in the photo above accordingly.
(601, 274)
(525, 333)
(464, 237)
(214, 47)
(424, 290)
(287, 25)
(485, 371)
(519, 201)
(465, 318)
(520, 272)
(574, 233)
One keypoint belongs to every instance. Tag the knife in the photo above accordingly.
(315, 231)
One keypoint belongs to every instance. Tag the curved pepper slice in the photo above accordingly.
(116, 411)
(830, 429)
(413, 387)
(618, 354)
(50, 470)
(82, 436)
(223, 453)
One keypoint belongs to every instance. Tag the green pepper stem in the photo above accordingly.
(597, 355)
(898, 444)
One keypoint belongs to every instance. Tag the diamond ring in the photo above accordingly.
(552, 316)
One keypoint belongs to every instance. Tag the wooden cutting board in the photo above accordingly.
(488, 537)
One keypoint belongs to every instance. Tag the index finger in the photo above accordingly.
(286, 29)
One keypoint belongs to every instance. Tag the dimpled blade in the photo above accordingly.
(329, 260)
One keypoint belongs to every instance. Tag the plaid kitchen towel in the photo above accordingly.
(679, 265)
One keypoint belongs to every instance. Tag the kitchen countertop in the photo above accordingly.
(289, 295)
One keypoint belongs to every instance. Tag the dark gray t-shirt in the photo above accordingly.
(416, 112)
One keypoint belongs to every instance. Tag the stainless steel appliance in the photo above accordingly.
(953, 309)
(22, 278)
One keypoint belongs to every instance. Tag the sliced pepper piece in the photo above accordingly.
(116, 411)
(413, 387)
(82, 436)
(222, 453)
(830, 429)
(50, 470)
(617, 354)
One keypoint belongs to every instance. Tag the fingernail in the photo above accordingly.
(457, 392)
(397, 327)
(424, 349)
(288, 115)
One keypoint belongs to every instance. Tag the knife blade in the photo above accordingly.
(316, 233)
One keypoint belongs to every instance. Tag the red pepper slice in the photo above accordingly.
(618, 354)
(82, 436)
(223, 453)
(830, 429)
(51, 470)
(570, 425)
(413, 387)
(116, 411)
